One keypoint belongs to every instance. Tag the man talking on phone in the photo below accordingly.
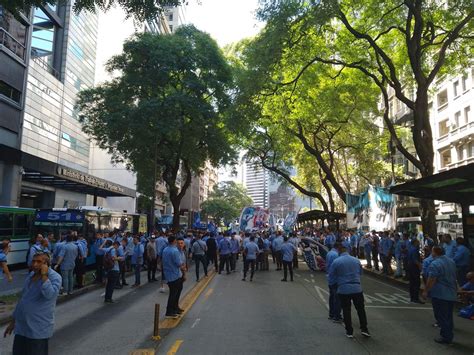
(33, 318)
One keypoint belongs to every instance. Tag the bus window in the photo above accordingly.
(22, 225)
(6, 224)
(105, 223)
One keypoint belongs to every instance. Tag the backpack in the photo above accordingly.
(108, 261)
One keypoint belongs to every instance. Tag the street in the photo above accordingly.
(263, 316)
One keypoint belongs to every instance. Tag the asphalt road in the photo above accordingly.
(263, 316)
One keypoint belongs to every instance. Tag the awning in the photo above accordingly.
(45, 172)
(315, 215)
(455, 185)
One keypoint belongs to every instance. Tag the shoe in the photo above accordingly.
(172, 316)
(197, 280)
(180, 311)
(154, 279)
(365, 333)
(134, 285)
(331, 318)
(162, 290)
(337, 320)
(251, 279)
(118, 287)
(109, 301)
(243, 279)
(349, 335)
(291, 280)
(440, 340)
(284, 280)
(124, 284)
(435, 325)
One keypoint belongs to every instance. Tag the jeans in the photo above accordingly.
(112, 278)
(233, 261)
(399, 271)
(287, 265)
(358, 300)
(368, 257)
(176, 287)
(414, 279)
(295, 259)
(334, 303)
(443, 313)
(386, 267)
(200, 259)
(68, 280)
(137, 268)
(26, 346)
(224, 259)
(247, 263)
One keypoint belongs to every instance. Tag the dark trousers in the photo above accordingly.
(137, 268)
(233, 261)
(375, 259)
(461, 274)
(151, 268)
(80, 270)
(224, 260)
(248, 263)
(99, 268)
(385, 263)
(334, 303)
(26, 346)
(414, 280)
(128, 263)
(200, 259)
(287, 265)
(358, 300)
(212, 258)
(123, 269)
(295, 259)
(443, 313)
(112, 278)
(279, 259)
(273, 255)
(175, 287)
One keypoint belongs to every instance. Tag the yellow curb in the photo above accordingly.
(188, 301)
(174, 349)
(143, 352)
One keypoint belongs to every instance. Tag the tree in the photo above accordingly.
(141, 10)
(401, 45)
(164, 112)
(226, 202)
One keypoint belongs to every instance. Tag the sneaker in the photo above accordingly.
(284, 280)
(109, 301)
(243, 279)
(365, 333)
(251, 279)
(337, 320)
(331, 318)
(162, 290)
(440, 340)
(180, 311)
(197, 280)
(435, 325)
(172, 316)
(349, 335)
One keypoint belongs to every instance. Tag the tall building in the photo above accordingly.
(200, 188)
(45, 155)
(257, 183)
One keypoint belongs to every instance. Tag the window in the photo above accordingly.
(6, 224)
(9, 92)
(464, 82)
(470, 150)
(170, 17)
(457, 119)
(443, 128)
(460, 150)
(467, 114)
(171, 28)
(456, 88)
(12, 34)
(445, 158)
(442, 99)
(75, 144)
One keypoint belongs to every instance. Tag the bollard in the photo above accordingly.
(156, 328)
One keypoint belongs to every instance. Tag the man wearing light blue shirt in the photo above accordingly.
(235, 248)
(287, 250)
(80, 267)
(172, 269)
(35, 248)
(33, 318)
(99, 258)
(442, 288)
(346, 272)
(137, 259)
(334, 302)
(250, 257)
(276, 245)
(449, 246)
(462, 258)
(225, 250)
(67, 262)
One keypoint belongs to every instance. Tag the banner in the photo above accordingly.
(290, 221)
(455, 229)
(255, 218)
(371, 210)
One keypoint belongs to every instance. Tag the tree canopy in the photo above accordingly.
(140, 10)
(165, 111)
(226, 202)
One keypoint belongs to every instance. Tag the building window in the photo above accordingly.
(12, 34)
(460, 150)
(470, 150)
(170, 17)
(443, 128)
(442, 99)
(171, 28)
(464, 82)
(457, 119)
(10, 92)
(445, 158)
(467, 114)
(456, 88)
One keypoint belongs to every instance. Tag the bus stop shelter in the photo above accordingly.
(455, 185)
(320, 216)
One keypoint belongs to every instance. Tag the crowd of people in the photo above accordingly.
(58, 265)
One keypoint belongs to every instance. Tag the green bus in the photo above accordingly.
(16, 224)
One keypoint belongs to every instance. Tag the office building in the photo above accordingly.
(257, 183)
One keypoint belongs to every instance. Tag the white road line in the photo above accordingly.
(196, 322)
(395, 307)
(383, 283)
(312, 276)
(312, 280)
(323, 298)
(298, 275)
(306, 280)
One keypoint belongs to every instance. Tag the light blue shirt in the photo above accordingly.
(462, 256)
(113, 253)
(266, 245)
(425, 265)
(330, 240)
(35, 248)
(34, 313)
(137, 256)
(252, 250)
(386, 245)
(444, 270)
(330, 257)
(82, 247)
(346, 271)
(287, 249)
(69, 254)
(234, 246)
(225, 246)
(450, 249)
(98, 242)
(161, 244)
(172, 263)
(56, 250)
(277, 243)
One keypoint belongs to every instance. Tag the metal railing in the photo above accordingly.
(43, 63)
(9, 42)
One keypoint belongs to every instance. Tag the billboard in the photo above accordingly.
(372, 209)
(255, 218)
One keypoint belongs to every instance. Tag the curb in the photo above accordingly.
(391, 280)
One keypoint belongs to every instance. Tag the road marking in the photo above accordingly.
(306, 280)
(312, 280)
(143, 352)
(208, 293)
(174, 349)
(323, 298)
(395, 307)
(298, 275)
(196, 322)
(385, 284)
(312, 276)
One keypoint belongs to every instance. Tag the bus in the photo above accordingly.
(87, 220)
(16, 224)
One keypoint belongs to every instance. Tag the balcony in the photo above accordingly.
(13, 46)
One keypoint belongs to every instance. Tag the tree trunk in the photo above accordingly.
(175, 201)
